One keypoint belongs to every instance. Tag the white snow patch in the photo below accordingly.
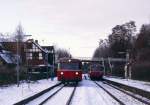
(88, 93)
(134, 83)
(12, 94)
(61, 97)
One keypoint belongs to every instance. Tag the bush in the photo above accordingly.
(118, 69)
(141, 71)
(7, 75)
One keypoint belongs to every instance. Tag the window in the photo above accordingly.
(29, 45)
(29, 55)
(36, 50)
(35, 55)
(70, 66)
(97, 67)
(40, 56)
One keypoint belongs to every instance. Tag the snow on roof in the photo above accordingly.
(8, 58)
(37, 45)
(40, 47)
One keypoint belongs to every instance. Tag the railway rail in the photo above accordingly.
(52, 95)
(27, 100)
(68, 102)
(113, 96)
(134, 90)
(46, 96)
(71, 96)
(126, 93)
(138, 97)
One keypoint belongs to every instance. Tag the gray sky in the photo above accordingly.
(72, 24)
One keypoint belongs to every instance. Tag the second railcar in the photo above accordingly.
(96, 72)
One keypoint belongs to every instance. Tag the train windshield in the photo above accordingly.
(70, 66)
(97, 67)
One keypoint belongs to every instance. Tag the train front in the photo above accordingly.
(96, 72)
(69, 70)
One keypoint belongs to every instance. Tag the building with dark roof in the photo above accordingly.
(30, 52)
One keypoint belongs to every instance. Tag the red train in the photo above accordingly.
(96, 71)
(69, 70)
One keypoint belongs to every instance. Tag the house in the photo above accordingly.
(31, 53)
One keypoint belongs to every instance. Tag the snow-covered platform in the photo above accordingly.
(12, 94)
(133, 83)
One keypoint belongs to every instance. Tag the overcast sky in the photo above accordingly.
(72, 24)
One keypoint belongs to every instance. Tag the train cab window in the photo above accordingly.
(58, 65)
(97, 67)
(70, 66)
(80, 65)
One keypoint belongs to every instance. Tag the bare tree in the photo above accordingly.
(19, 34)
(103, 50)
(62, 53)
(5, 37)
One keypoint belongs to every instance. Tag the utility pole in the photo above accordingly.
(18, 58)
(47, 62)
(110, 65)
(17, 68)
(53, 67)
(104, 66)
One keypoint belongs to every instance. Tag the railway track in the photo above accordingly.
(27, 100)
(71, 96)
(123, 97)
(138, 97)
(134, 90)
(47, 96)
(52, 95)
(113, 96)
(48, 99)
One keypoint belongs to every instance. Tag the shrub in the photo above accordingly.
(141, 71)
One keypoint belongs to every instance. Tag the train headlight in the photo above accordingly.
(77, 73)
(61, 73)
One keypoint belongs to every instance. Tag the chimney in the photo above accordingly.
(36, 41)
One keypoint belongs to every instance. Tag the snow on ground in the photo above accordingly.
(88, 93)
(126, 99)
(61, 97)
(12, 94)
(40, 99)
(134, 83)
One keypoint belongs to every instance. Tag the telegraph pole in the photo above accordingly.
(17, 68)
(47, 63)
(18, 58)
(53, 67)
(104, 65)
(110, 65)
